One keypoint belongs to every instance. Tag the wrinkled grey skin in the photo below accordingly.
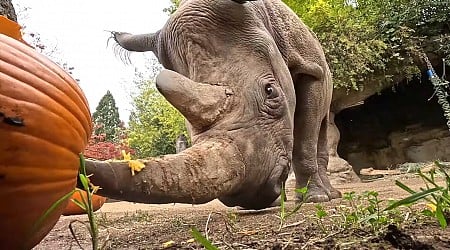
(253, 75)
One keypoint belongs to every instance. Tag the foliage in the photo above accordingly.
(154, 123)
(106, 118)
(366, 210)
(202, 240)
(369, 41)
(173, 7)
(86, 205)
(100, 149)
(359, 211)
(437, 196)
(284, 214)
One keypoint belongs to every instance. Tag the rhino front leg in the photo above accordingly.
(309, 114)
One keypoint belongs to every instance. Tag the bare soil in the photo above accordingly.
(125, 225)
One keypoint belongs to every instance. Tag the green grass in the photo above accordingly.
(437, 196)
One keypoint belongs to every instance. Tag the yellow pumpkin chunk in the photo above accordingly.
(133, 164)
(432, 207)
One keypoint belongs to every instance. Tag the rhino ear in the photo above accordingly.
(242, 1)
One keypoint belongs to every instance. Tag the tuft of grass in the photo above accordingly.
(362, 211)
(435, 195)
(85, 204)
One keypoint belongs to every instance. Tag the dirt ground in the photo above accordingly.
(125, 225)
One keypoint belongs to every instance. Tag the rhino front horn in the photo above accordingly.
(209, 169)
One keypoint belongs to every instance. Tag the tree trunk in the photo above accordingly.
(7, 9)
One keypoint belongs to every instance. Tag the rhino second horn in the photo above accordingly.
(202, 104)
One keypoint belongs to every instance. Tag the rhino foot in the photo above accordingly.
(334, 193)
(318, 190)
(316, 194)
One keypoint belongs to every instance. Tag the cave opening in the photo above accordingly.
(400, 124)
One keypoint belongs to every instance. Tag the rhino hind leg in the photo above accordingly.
(322, 160)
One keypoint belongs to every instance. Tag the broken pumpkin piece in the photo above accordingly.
(133, 164)
(11, 29)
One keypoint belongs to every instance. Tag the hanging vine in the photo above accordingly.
(441, 88)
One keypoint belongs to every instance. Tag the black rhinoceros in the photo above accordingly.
(253, 83)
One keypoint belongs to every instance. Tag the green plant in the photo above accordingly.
(365, 210)
(284, 214)
(320, 214)
(106, 118)
(436, 195)
(154, 123)
(86, 205)
(202, 240)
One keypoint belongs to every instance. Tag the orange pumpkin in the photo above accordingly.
(44, 125)
(73, 209)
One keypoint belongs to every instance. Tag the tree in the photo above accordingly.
(154, 123)
(173, 6)
(106, 118)
(376, 42)
(7, 9)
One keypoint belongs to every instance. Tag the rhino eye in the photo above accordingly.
(270, 90)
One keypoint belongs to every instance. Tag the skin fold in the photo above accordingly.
(253, 83)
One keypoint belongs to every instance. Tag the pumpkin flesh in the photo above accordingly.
(74, 209)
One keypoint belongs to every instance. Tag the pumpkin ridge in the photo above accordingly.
(52, 67)
(51, 90)
(49, 64)
(38, 69)
(36, 187)
(28, 115)
(49, 102)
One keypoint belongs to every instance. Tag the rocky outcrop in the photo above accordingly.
(399, 125)
(339, 170)
(379, 140)
(417, 144)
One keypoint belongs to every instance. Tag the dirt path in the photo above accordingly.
(143, 226)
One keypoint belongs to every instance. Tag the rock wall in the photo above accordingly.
(401, 124)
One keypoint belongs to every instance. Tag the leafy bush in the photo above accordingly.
(154, 123)
(370, 41)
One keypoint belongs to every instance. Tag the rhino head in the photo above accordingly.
(226, 75)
